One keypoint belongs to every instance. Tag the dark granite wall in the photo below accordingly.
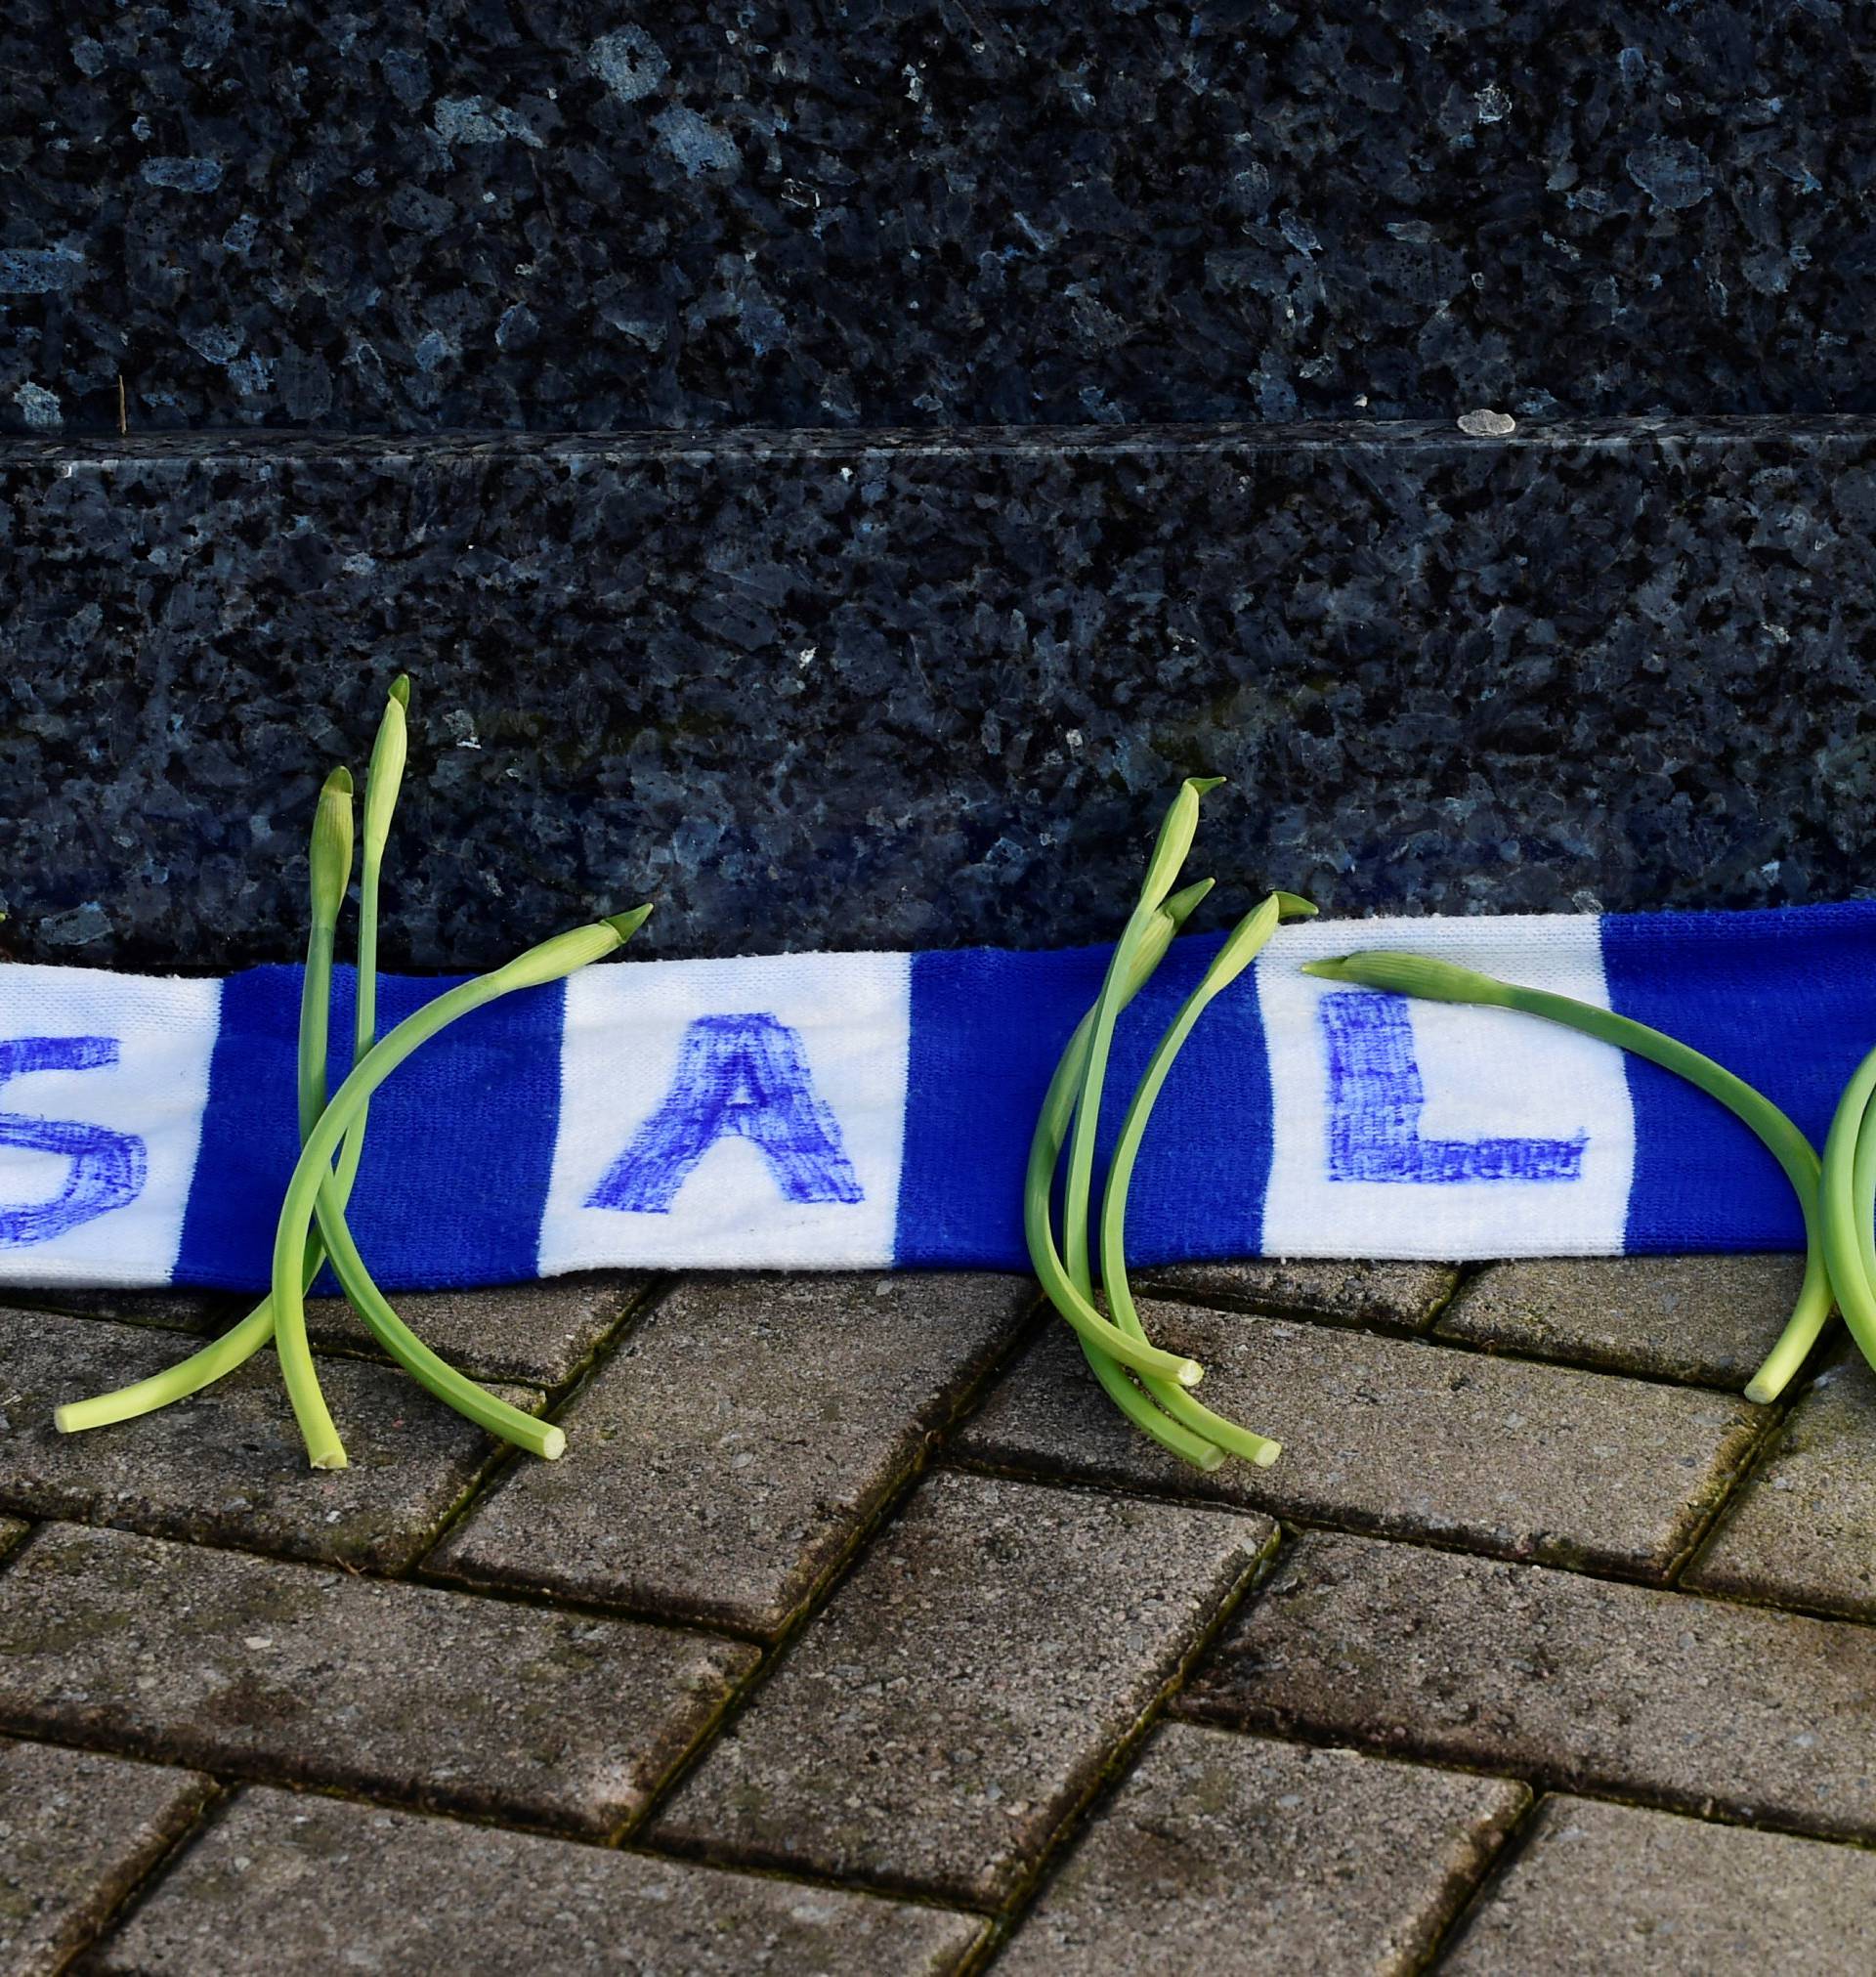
(826, 693)
(566, 216)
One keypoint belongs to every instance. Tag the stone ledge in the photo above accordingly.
(856, 654)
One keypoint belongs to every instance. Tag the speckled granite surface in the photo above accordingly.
(928, 691)
(559, 215)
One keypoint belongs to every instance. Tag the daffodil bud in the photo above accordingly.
(568, 951)
(330, 856)
(1150, 950)
(386, 773)
(1411, 975)
(1174, 840)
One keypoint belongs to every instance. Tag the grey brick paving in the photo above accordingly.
(1400, 1436)
(1800, 1531)
(77, 1832)
(537, 1333)
(957, 1723)
(312, 1885)
(242, 1665)
(178, 1310)
(1574, 1681)
(227, 1466)
(1612, 1887)
(1224, 1853)
(723, 1459)
(1395, 1297)
(963, 1688)
(1704, 1318)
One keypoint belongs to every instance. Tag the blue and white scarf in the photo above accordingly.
(875, 1110)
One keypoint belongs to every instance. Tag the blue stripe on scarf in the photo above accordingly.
(987, 1029)
(472, 1118)
(1785, 1000)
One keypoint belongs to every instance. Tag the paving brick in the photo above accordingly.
(1798, 1532)
(1391, 1297)
(312, 1885)
(1705, 1318)
(183, 1310)
(1612, 1887)
(964, 1687)
(229, 1466)
(540, 1333)
(1400, 1436)
(303, 1675)
(77, 1832)
(1579, 1683)
(1224, 1853)
(721, 1462)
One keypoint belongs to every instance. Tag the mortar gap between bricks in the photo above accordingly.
(776, 1648)
(1469, 1900)
(1229, 1306)
(631, 1313)
(795, 1876)
(1124, 1754)
(919, 1460)
(1376, 1529)
(207, 1816)
(1769, 1438)
(1540, 1778)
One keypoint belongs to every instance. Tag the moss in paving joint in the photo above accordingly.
(1124, 1753)
(1469, 1899)
(1724, 1491)
(775, 1647)
(209, 1807)
(554, 1400)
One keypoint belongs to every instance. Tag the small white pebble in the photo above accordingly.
(256, 1642)
(1487, 425)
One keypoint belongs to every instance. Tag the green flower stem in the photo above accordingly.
(382, 782)
(330, 860)
(1045, 1153)
(1445, 981)
(1247, 941)
(470, 1400)
(1168, 855)
(474, 1402)
(551, 960)
(329, 876)
(1849, 1190)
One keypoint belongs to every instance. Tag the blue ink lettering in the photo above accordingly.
(734, 1074)
(107, 1169)
(1376, 1098)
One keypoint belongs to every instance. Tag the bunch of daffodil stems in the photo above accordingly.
(1151, 1387)
(312, 1227)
